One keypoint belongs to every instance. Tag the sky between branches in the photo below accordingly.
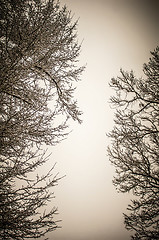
(116, 34)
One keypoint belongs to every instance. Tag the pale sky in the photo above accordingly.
(116, 34)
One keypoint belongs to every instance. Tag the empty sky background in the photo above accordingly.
(116, 34)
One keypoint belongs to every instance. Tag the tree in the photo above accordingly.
(135, 146)
(39, 51)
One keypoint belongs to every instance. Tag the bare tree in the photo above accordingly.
(135, 146)
(38, 56)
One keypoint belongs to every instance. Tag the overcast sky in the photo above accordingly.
(116, 34)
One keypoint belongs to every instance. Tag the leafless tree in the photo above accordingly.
(135, 146)
(38, 56)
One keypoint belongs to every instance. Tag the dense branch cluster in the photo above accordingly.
(135, 146)
(38, 58)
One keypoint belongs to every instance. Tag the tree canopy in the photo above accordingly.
(135, 146)
(38, 57)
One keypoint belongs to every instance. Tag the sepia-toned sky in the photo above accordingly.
(115, 34)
